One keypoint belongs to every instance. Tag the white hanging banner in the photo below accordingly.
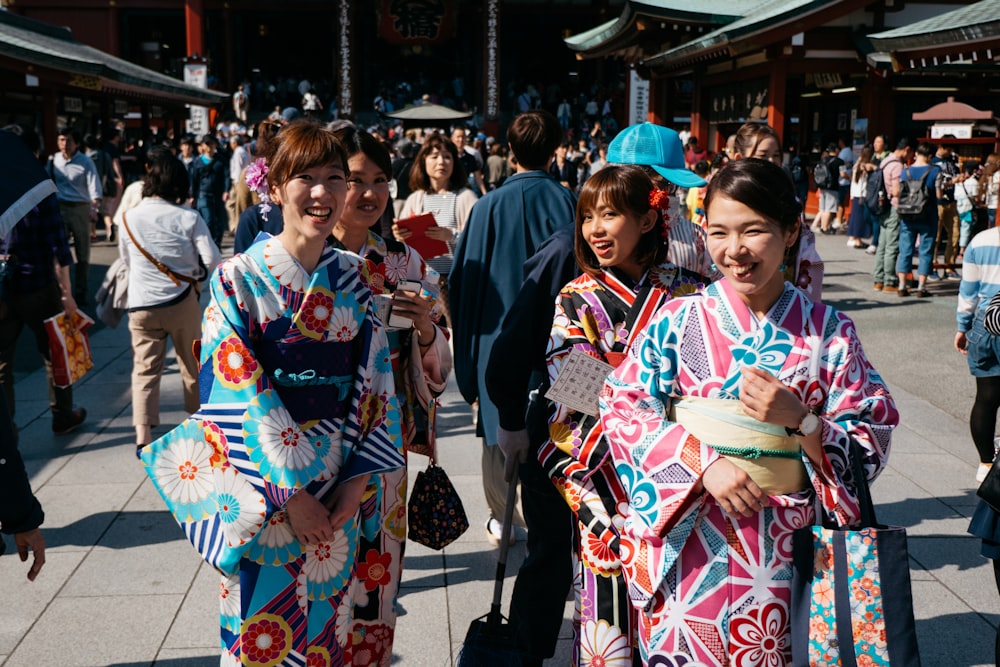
(196, 74)
(638, 98)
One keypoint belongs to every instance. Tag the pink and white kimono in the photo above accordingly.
(713, 589)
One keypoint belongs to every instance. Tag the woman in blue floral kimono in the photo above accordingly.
(298, 412)
(421, 362)
(621, 245)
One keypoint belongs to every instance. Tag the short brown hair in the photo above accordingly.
(626, 189)
(419, 180)
(533, 137)
(302, 144)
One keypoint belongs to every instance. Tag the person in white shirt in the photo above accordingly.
(163, 302)
(79, 194)
(237, 163)
(966, 192)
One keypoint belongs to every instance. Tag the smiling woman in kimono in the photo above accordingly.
(621, 245)
(421, 363)
(298, 411)
(729, 425)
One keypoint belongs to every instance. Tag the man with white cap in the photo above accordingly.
(660, 150)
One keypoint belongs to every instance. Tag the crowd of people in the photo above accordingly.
(315, 368)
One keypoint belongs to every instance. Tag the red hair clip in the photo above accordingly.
(659, 199)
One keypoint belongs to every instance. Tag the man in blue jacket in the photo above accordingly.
(505, 228)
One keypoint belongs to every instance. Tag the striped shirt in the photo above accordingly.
(442, 205)
(980, 276)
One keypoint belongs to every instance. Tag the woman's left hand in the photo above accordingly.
(766, 399)
(417, 308)
(345, 500)
(439, 233)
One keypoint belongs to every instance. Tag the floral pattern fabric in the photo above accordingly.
(375, 588)
(599, 315)
(713, 589)
(226, 472)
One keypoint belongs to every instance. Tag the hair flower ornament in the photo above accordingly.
(256, 179)
(659, 199)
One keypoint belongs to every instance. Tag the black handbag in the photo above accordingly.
(435, 512)
(989, 489)
(851, 592)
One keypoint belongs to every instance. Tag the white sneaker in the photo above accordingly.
(982, 471)
(494, 533)
(872, 249)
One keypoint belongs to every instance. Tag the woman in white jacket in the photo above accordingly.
(168, 249)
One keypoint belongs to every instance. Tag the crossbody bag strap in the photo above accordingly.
(164, 269)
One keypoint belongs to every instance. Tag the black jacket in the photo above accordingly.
(19, 509)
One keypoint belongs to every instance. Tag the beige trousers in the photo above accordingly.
(494, 488)
(150, 329)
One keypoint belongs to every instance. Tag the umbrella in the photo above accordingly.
(420, 115)
(23, 182)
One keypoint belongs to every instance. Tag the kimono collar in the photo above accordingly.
(775, 313)
(373, 242)
(634, 285)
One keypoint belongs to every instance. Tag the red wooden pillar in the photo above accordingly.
(776, 98)
(699, 119)
(194, 26)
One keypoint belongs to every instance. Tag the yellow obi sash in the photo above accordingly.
(764, 451)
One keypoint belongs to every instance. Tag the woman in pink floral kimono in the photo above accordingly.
(730, 425)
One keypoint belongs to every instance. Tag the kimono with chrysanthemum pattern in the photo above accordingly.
(297, 396)
(714, 589)
(599, 315)
(421, 375)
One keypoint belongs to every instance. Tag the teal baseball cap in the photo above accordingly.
(655, 146)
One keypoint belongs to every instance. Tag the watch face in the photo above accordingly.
(809, 424)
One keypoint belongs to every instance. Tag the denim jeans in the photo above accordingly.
(926, 229)
(888, 249)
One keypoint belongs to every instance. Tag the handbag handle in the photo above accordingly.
(164, 269)
(864, 492)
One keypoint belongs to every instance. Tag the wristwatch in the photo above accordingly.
(808, 425)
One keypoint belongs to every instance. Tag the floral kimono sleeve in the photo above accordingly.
(373, 424)
(576, 449)
(658, 461)
(857, 409)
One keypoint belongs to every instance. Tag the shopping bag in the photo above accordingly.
(851, 598)
(69, 347)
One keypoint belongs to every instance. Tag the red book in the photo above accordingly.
(419, 241)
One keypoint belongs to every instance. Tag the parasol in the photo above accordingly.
(421, 115)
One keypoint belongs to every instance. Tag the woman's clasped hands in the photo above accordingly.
(766, 399)
(313, 522)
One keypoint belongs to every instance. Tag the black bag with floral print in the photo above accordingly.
(435, 512)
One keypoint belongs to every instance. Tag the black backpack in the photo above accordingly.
(913, 195)
(822, 176)
(877, 199)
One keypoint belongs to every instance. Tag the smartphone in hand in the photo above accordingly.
(398, 321)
